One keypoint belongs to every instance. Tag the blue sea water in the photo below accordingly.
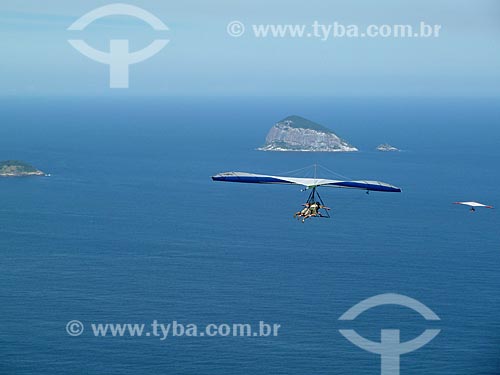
(130, 228)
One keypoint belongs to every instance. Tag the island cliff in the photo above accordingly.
(296, 133)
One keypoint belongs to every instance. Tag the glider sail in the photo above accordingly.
(474, 204)
(252, 178)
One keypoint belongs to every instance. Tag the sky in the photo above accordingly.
(202, 59)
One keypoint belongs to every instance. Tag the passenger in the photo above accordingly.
(313, 211)
(304, 211)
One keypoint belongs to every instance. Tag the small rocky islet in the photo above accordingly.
(16, 168)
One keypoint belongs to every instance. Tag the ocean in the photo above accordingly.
(129, 228)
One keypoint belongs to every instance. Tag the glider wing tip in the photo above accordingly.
(394, 189)
(217, 177)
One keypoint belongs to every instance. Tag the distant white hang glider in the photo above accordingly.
(473, 205)
(314, 200)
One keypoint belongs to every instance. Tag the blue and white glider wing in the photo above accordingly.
(251, 178)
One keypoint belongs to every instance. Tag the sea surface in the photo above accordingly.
(130, 228)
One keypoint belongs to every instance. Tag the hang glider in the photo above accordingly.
(473, 205)
(314, 206)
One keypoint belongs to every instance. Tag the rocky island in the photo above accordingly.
(296, 133)
(387, 148)
(15, 168)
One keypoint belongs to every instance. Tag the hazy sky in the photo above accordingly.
(203, 60)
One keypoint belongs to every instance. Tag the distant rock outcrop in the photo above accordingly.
(387, 148)
(296, 133)
(15, 168)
